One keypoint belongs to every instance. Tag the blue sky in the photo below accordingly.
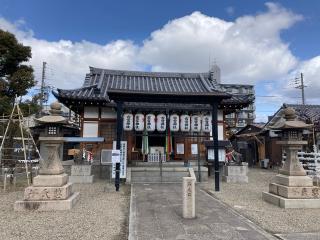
(266, 44)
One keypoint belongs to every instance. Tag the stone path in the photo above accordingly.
(299, 236)
(156, 213)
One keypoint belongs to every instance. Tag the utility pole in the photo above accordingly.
(301, 86)
(42, 86)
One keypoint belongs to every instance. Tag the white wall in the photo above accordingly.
(108, 113)
(90, 129)
(91, 112)
(220, 131)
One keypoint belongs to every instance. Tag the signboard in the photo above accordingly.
(122, 159)
(115, 156)
(206, 123)
(195, 123)
(222, 154)
(161, 122)
(127, 121)
(150, 122)
(174, 123)
(185, 123)
(180, 148)
(194, 149)
(139, 122)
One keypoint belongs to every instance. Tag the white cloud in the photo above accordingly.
(311, 74)
(68, 60)
(248, 50)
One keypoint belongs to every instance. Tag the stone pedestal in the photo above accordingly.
(293, 192)
(81, 174)
(235, 173)
(51, 190)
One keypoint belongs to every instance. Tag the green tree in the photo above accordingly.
(16, 78)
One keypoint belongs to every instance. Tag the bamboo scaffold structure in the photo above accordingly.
(17, 115)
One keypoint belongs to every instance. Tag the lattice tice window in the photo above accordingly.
(52, 130)
(108, 131)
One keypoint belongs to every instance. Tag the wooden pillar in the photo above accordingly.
(215, 145)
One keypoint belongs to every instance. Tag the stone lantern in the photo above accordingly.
(50, 190)
(292, 188)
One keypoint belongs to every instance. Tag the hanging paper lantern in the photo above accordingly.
(150, 122)
(206, 123)
(139, 122)
(174, 122)
(161, 122)
(127, 121)
(195, 123)
(185, 123)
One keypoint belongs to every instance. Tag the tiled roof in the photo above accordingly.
(99, 81)
(304, 112)
(307, 112)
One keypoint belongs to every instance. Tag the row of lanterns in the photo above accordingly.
(184, 122)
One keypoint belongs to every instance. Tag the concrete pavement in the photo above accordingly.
(156, 213)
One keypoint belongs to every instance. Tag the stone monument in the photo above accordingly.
(235, 173)
(50, 190)
(292, 188)
(81, 174)
(188, 195)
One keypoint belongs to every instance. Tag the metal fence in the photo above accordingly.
(156, 157)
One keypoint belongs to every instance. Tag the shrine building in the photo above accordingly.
(165, 116)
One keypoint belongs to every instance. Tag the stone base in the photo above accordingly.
(81, 170)
(235, 174)
(50, 180)
(235, 179)
(290, 203)
(235, 170)
(294, 192)
(33, 193)
(81, 179)
(50, 205)
(293, 181)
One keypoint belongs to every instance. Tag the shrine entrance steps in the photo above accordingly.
(169, 172)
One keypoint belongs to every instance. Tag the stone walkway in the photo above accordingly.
(299, 236)
(156, 213)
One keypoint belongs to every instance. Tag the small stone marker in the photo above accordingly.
(235, 173)
(81, 174)
(188, 195)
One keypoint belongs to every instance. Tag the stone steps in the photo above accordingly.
(169, 174)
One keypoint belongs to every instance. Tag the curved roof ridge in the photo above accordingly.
(94, 70)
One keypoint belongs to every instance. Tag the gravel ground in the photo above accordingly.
(247, 200)
(100, 213)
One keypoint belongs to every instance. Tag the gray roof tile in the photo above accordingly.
(99, 81)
